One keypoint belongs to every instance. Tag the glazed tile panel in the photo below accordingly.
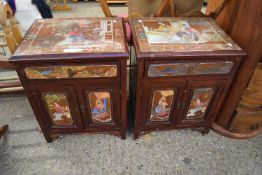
(100, 105)
(175, 69)
(58, 109)
(161, 105)
(199, 103)
(57, 72)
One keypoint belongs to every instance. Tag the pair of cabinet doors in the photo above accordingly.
(171, 104)
(78, 107)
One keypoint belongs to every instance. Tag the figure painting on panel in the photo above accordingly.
(179, 32)
(161, 105)
(199, 103)
(75, 35)
(58, 109)
(100, 106)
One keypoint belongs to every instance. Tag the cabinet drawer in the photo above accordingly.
(196, 68)
(79, 71)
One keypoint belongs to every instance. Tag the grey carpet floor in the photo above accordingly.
(23, 150)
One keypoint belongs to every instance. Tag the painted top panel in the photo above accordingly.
(58, 36)
(181, 35)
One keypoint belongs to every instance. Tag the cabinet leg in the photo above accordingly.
(205, 131)
(3, 130)
(136, 134)
(123, 135)
(47, 137)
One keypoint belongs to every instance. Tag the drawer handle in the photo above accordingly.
(70, 73)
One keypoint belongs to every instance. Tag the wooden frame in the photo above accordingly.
(235, 19)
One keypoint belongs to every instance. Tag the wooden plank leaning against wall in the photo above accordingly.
(242, 20)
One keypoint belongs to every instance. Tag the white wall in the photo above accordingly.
(26, 13)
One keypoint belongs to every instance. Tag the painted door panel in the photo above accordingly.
(200, 102)
(59, 106)
(100, 106)
(161, 103)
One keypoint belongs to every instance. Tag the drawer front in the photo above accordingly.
(62, 72)
(198, 68)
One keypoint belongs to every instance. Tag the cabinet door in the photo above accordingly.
(100, 106)
(160, 104)
(59, 106)
(201, 101)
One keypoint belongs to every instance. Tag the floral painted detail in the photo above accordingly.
(58, 109)
(161, 105)
(175, 69)
(199, 103)
(100, 105)
(56, 72)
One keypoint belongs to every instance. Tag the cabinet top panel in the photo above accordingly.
(180, 35)
(73, 35)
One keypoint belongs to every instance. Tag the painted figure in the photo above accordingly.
(199, 103)
(60, 112)
(100, 106)
(162, 108)
(161, 105)
(58, 108)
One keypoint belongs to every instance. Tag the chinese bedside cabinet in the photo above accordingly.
(184, 69)
(74, 74)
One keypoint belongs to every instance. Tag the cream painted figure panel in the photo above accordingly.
(81, 35)
(161, 105)
(181, 35)
(199, 103)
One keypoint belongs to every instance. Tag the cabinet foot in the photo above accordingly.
(136, 134)
(48, 139)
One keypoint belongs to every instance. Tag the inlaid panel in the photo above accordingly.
(73, 35)
(175, 69)
(58, 109)
(199, 103)
(100, 105)
(161, 105)
(56, 72)
(180, 35)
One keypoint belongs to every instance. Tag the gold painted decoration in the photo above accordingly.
(58, 109)
(161, 105)
(56, 72)
(199, 103)
(100, 105)
(175, 69)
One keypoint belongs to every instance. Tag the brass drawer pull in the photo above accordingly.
(70, 73)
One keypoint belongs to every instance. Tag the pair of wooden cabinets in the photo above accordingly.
(74, 72)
